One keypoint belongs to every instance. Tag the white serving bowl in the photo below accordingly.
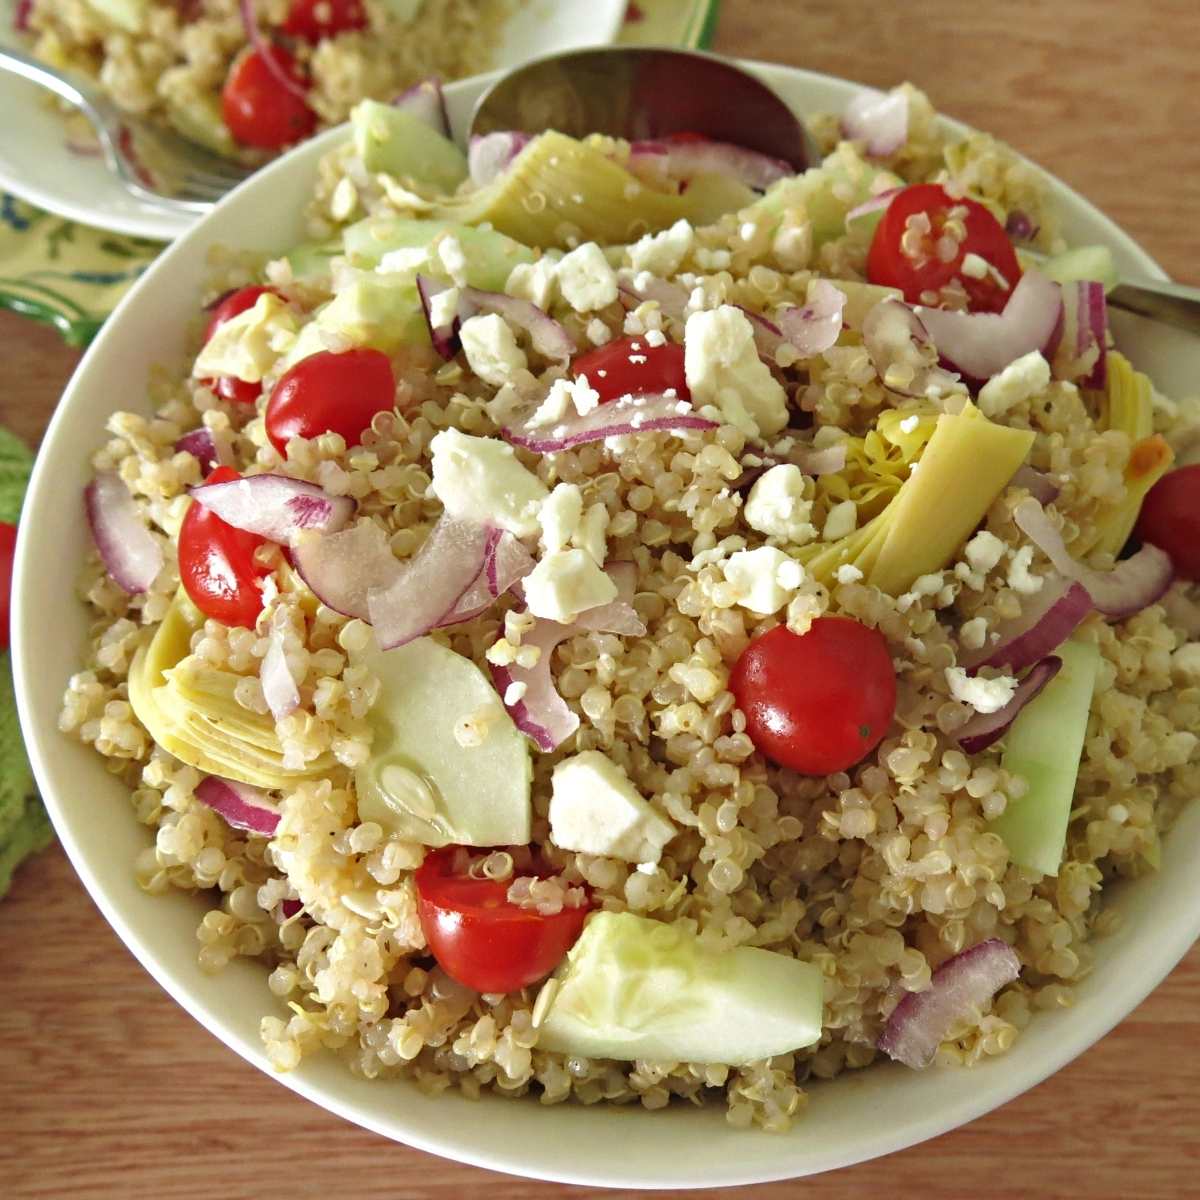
(859, 1116)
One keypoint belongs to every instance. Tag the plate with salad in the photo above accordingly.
(594, 628)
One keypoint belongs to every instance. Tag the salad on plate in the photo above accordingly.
(629, 622)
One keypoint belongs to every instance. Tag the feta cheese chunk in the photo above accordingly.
(444, 307)
(662, 253)
(776, 505)
(984, 551)
(763, 580)
(480, 479)
(560, 515)
(565, 583)
(403, 259)
(1020, 381)
(534, 281)
(491, 348)
(722, 369)
(1020, 578)
(848, 573)
(248, 346)
(591, 534)
(595, 809)
(450, 252)
(586, 280)
(983, 695)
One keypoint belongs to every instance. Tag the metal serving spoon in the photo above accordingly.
(645, 92)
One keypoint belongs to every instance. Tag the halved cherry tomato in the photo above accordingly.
(816, 702)
(216, 563)
(258, 110)
(8, 547)
(330, 393)
(1170, 519)
(481, 938)
(229, 387)
(313, 20)
(632, 365)
(927, 271)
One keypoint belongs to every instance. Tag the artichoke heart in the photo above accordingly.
(190, 710)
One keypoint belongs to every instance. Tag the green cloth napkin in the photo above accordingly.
(24, 826)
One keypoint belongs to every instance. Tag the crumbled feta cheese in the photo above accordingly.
(598, 333)
(655, 338)
(1185, 662)
(515, 692)
(841, 521)
(662, 253)
(586, 280)
(984, 551)
(595, 809)
(1020, 381)
(403, 259)
(591, 533)
(759, 580)
(560, 515)
(776, 505)
(534, 281)
(983, 695)
(973, 633)
(443, 308)
(565, 393)
(928, 585)
(848, 573)
(909, 424)
(1020, 578)
(585, 397)
(722, 369)
(974, 267)
(248, 346)
(491, 348)
(453, 260)
(566, 583)
(480, 479)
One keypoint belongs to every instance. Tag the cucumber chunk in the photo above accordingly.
(632, 988)
(392, 140)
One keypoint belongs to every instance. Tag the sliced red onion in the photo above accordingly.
(491, 154)
(541, 713)
(265, 51)
(985, 728)
(816, 326)
(428, 587)
(505, 562)
(671, 298)
(959, 986)
(426, 102)
(980, 345)
(548, 336)
(276, 507)
(289, 908)
(342, 568)
(900, 350)
(278, 683)
(1047, 619)
(1037, 483)
(203, 445)
(1020, 227)
(828, 460)
(1082, 353)
(768, 337)
(879, 119)
(243, 807)
(876, 204)
(22, 11)
(683, 158)
(628, 415)
(131, 555)
(1133, 584)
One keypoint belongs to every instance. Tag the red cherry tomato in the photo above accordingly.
(611, 373)
(1170, 519)
(258, 109)
(216, 563)
(482, 939)
(817, 702)
(229, 387)
(330, 393)
(8, 546)
(888, 264)
(313, 20)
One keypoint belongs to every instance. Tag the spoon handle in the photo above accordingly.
(1171, 303)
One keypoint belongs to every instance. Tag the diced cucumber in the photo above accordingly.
(420, 781)
(391, 140)
(310, 260)
(1044, 746)
(634, 988)
(129, 15)
(380, 311)
(490, 256)
(1081, 264)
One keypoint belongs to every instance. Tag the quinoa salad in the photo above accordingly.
(642, 623)
(247, 79)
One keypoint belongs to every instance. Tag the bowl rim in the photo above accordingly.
(41, 737)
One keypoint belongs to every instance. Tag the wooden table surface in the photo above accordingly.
(107, 1089)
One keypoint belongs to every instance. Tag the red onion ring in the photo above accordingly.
(130, 552)
(263, 47)
(491, 154)
(426, 102)
(985, 728)
(628, 415)
(276, 507)
(243, 807)
(1046, 621)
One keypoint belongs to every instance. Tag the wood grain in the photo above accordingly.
(107, 1089)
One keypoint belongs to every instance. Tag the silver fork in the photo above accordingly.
(186, 177)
